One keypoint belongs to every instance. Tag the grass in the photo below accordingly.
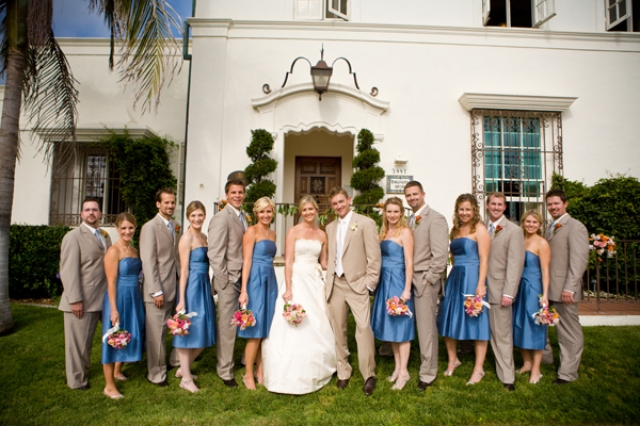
(33, 389)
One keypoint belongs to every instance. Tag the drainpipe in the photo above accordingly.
(187, 57)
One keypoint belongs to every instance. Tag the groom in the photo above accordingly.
(353, 270)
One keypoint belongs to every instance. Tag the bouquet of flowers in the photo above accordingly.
(243, 318)
(116, 337)
(547, 316)
(294, 313)
(179, 324)
(474, 305)
(397, 307)
(602, 244)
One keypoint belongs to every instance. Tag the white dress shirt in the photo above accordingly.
(341, 234)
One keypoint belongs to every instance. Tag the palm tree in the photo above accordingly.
(38, 76)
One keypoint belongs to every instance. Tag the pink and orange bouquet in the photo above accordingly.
(179, 324)
(603, 245)
(547, 316)
(294, 313)
(474, 305)
(243, 318)
(397, 307)
(116, 337)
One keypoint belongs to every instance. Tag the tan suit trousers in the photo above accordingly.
(570, 340)
(226, 332)
(501, 323)
(78, 342)
(156, 341)
(342, 299)
(425, 307)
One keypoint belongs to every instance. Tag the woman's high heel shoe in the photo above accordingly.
(452, 367)
(189, 385)
(535, 381)
(392, 378)
(475, 373)
(179, 375)
(402, 380)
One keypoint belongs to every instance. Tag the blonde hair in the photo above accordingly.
(307, 199)
(263, 203)
(402, 223)
(125, 216)
(336, 191)
(536, 215)
(457, 222)
(195, 205)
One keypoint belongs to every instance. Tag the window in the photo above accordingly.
(322, 9)
(620, 15)
(91, 175)
(517, 13)
(515, 152)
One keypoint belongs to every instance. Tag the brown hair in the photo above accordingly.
(457, 222)
(307, 199)
(556, 193)
(336, 191)
(196, 205)
(238, 182)
(385, 223)
(536, 215)
(263, 203)
(161, 191)
(497, 195)
(126, 216)
(91, 200)
(412, 183)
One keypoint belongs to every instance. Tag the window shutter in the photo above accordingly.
(543, 10)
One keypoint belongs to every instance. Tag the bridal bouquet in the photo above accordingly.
(294, 313)
(397, 307)
(116, 337)
(474, 305)
(243, 318)
(179, 324)
(547, 316)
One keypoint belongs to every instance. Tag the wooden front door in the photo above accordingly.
(316, 176)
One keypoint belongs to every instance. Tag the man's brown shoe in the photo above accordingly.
(342, 383)
(369, 386)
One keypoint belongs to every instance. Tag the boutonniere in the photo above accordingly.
(498, 229)
(104, 233)
(354, 227)
(177, 229)
(557, 228)
(222, 204)
(418, 220)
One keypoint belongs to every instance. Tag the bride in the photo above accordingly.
(302, 359)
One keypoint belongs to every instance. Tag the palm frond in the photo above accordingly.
(150, 54)
(50, 98)
(39, 19)
(107, 9)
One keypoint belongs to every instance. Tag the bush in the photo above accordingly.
(34, 261)
(262, 165)
(366, 178)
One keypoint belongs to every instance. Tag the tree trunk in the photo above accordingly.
(9, 136)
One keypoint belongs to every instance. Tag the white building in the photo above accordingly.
(464, 96)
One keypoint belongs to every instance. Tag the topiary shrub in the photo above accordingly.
(34, 261)
(262, 165)
(365, 179)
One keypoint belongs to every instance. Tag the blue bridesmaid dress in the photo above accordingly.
(131, 311)
(526, 333)
(202, 333)
(452, 320)
(262, 289)
(392, 281)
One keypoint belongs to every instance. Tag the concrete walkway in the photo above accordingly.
(612, 312)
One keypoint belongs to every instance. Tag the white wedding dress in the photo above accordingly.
(302, 359)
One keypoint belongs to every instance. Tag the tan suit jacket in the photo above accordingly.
(82, 270)
(506, 261)
(431, 249)
(225, 247)
(361, 257)
(159, 256)
(569, 257)
(430, 253)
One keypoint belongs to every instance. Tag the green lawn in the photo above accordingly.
(33, 389)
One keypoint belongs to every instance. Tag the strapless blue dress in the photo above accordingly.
(452, 320)
(526, 333)
(262, 289)
(131, 310)
(202, 333)
(392, 280)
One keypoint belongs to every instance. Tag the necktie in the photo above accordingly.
(492, 229)
(170, 226)
(550, 230)
(244, 227)
(97, 234)
(412, 221)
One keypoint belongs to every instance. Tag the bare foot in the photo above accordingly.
(113, 393)
(525, 369)
(189, 385)
(248, 381)
(393, 377)
(478, 375)
(402, 380)
(452, 367)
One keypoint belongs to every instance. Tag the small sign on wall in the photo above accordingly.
(396, 183)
